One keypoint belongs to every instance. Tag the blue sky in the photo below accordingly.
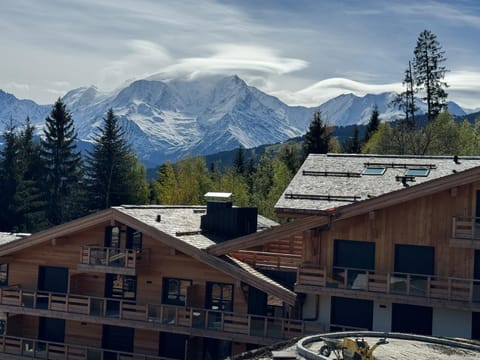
(302, 51)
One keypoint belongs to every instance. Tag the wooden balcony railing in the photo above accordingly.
(40, 349)
(91, 308)
(416, 285)
(114, 257)
(464, 227)
(269, 260)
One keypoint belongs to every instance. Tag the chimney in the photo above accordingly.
(159, 218)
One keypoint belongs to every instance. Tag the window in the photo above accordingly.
(373, 170)
(220, 296)
(175, 291)
(123, 286)
(417, 172)
(134, 239)
(3, 274)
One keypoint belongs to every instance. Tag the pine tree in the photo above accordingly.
(372, 125)
(9, 180)
(405, 101)
(430, 72)
(352, 145)
(317, 138)
(113, 173)
(31, 202)
(63, 165)
(239, 161)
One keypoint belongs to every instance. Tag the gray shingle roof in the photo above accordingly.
(181, 222)
(327, 181)
(6, 238)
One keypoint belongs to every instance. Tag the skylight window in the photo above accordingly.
(373, 170)
(417, 172)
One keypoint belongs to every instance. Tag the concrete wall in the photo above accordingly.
(310, 311)
(452, 323)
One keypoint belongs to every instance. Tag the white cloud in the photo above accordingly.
(246, 60)
(13, 86)
(324, 90)
(143, 57)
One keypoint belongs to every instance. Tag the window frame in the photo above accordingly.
(367, 170)
(220, 302)
(180, 299)
(425, 171)
(4, 274)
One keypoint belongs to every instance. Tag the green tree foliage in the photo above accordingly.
(10, 178)
(445, 137)
(63, 165)
(430, 72)
(381, 141)
(352, 145)
(405, 101)
(22, 205)
(165, 188)
(193, 181)
(317, 138)
(291, 155)
(239, 161)
(114, 175)
(372, 125)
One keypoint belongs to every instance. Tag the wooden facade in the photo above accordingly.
(408, 260)
(151, 300)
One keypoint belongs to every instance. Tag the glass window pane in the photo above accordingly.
(370, 170)
(417, 172)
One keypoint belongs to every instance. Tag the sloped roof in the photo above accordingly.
(327, 181)
(6, 237)
(176, 226)
(319, 211)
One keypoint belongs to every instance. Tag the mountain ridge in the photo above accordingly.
(166, 120)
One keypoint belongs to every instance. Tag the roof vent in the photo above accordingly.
(159, 218)
(456, 160)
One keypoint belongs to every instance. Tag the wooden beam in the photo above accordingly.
(57, 232)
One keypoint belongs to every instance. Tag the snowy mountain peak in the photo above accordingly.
(167, 119)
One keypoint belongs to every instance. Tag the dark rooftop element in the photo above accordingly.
(228, 221)
(330, 173)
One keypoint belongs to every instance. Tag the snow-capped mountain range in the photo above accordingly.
(170, 119)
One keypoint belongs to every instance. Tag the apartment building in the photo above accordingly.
(135, 282)
(387, 243)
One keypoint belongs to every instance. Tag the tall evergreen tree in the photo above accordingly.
(31, 204)
(110, 168)
(317, 138)
(239, 161)
(372, 125)
(63, 165)
(9, 180)
(429, 72)
(352, 145)
(405, 101)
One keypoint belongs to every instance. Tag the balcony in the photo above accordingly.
(12, 347)
(255, 329)
(112, 260)
(269, 260)
(406, 288)
(465, 232)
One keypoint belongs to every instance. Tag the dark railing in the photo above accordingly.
(113, 257)
(426, 286)
(466, 227)
(170, 315)
(40, 349)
